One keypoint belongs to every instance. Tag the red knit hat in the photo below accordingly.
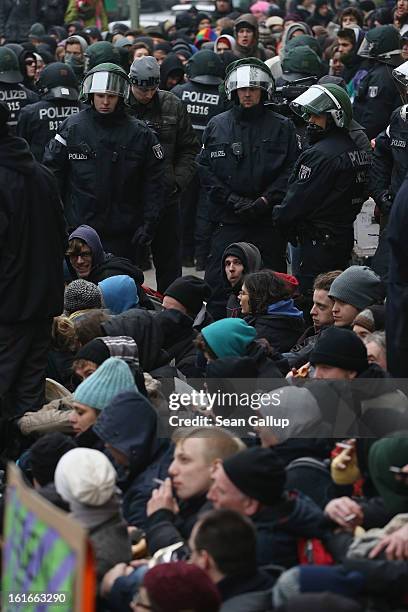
(288, 278)
(181, 586)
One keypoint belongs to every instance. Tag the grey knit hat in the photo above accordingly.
(145, 72)
(359, 286)
(81, 295)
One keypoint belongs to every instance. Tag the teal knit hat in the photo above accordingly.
(111, 378)
(229, 337)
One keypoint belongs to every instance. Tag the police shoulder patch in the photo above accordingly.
(373, 91)
(304, 172)
(158, 151)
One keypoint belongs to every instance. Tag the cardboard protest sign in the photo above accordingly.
(47, 561)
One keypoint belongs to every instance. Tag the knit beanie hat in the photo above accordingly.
(97, 391)
(190, 291)
(385, 453)
(372, 318)
(45, 454)
(359, 286)
(85, 475)
(80, 294)
(145, 72)
(257, 472)
(229, 337)
(181, 586)
(95, 351)
(340, 348)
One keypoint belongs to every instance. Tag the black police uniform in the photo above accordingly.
(38, 123)
(375, 99)
(325, 194)
(246, 153)
(202, 102)
(16, 96)
(110, 170)
(170, 122)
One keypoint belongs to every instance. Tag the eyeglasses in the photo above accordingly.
(30, 62)
(241, 293)
(83, 255)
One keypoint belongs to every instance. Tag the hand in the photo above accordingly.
(162, 499)
(252, 209)
(346, 455)
(343, 508)
(235, 201)
(385, 202)
(395, 545)
(142, 237)
(121, 569)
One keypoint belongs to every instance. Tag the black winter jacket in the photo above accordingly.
(260, 166)
(31, 226)
(16, 18)
(111, 170)
(16, 96)
(167, 117)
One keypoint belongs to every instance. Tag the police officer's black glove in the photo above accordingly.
(142, 237)
(236, 201)
(384, 203)
(252, 210)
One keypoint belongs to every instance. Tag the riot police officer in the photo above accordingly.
(164, 112)
(376, 96)
(12, 92)
(109, 165)
(390, 166)
(39, 122)
(202, 101)
(248, 154)
(328, 185)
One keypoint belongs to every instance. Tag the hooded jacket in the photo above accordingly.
(251, 259)
(119, 293)
(281, 325)
(31, 226)
(130, 425)
(178, 342)
(171, 63)
(255, 50)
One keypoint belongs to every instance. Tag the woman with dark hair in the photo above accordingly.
(267, 305)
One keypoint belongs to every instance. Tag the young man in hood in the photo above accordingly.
(239, 258)
(247, 36)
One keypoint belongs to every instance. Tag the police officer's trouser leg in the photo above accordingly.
(316, 258)
(166, 247)
(203, 228)
(189, 200)
(380, 260)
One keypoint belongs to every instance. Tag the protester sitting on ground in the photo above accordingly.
(239, 258)
(223, 544)
(44, 456)
(94, 353)
(129, 428)
(174, 587)
(354, 290)
(96, 392)
(64, 345)
(253, 483)
(174, 506)
(119, 293)
(79, 296)
(322, 317)
(376, 349)
(183, 316)
(233, 337)
(89, 261)
(86, 479)
(267, 305)
(369, 320)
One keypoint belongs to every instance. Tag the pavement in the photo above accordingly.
(150, 277)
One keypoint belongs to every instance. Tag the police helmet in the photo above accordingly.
(400, 76)
(105, 78)
(58, 81)
(329, 100)
(250, 72)
(381, 43)
(205, 67)
(9, 67)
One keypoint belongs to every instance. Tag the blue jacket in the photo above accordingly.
(129, 424)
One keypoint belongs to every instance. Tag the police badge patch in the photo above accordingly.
(158, 151)
(373, 91)
(304, 172)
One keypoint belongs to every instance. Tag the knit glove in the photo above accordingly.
(252, 209)
(142, 237)
(235, 201)
(384, 203)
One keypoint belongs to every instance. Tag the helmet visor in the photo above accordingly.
(105, 82)
(247, 76)
(400, 74)
(315, 101)
(366, 48)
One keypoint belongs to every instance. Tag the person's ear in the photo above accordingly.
(251, 506)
